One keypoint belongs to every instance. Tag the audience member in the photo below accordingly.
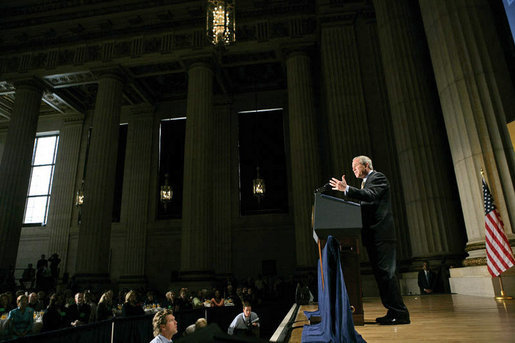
(199, 324)
(150, 299)
(130, 307)
(33, 302)
(90, 299)
(217, 300)
(20, 319)
(54, 265)
(165, 326)
(184, 302)
(28, 277)
(105, 306)
(170, 301)
(78, 313)
(198, 300)
(246, 323)
(54, 316)
(5, 306)
(426, 279)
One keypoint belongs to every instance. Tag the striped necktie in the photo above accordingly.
(363, 184)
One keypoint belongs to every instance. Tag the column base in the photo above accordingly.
(194, 280)
(92, 281)
(132, 281)
(475, 280)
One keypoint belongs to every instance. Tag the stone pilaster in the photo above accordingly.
(221, 240)
(346, 110)
(63, 188)
(305, 159)
(476, 95)
(15, 167)
(138, 159)
(425, 166)
(95, 229)
(196, 262)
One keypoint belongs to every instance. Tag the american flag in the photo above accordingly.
(499, 256)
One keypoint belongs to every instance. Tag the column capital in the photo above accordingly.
(298, 50)
(110, 73)
(30, 82)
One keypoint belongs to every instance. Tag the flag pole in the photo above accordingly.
(502, 297)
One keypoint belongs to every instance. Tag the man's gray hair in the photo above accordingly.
(364, 160)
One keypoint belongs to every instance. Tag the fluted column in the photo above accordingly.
(432, 206)
(476, 94)
(15, 167)
(196, 262)
(346, 110)
(221, 240)
(384, 151)
(135, 198)
(305, 158)
(95, 229)
(63, 187)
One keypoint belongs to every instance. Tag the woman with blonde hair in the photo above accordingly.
(130, 307)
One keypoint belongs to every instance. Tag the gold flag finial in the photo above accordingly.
(482, 173)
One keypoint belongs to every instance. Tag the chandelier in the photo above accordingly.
(221, 22)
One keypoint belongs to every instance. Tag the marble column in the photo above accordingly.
(221, 243)
(345, 104)
(135, 197)
(477, 94)
(196, 262)
(15, 167)
(63, 188)
(379, 119)
(432, 206)
(305, 157)
(93, 248)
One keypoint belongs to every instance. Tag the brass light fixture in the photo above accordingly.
(221, 22)
(166, 192)
(258, 186)
(79, 197)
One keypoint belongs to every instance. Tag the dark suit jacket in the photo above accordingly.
(424, 283)
(376, 208)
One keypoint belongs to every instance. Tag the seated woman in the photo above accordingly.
(5, 307)
(217, 301)
(20, 319)
(54, 316)
(105, 306)
(171, 301)
(130, 307)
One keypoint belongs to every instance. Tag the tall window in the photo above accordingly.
(172, 136)
(41, 176)
(261, 144)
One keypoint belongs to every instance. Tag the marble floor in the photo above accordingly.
(436, 318)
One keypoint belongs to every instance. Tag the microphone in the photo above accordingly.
(323, 188)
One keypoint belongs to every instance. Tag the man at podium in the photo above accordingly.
(378, 234)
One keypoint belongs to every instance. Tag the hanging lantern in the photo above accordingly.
(258, 186)
(166, 192)
(79, 197)
(221, 22)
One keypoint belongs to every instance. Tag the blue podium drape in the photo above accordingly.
(336, 323)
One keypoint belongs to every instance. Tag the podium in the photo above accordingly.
(342, 220)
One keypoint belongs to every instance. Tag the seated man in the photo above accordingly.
(246, 323)
(78, 313)
(165, 326)
(426, 279)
